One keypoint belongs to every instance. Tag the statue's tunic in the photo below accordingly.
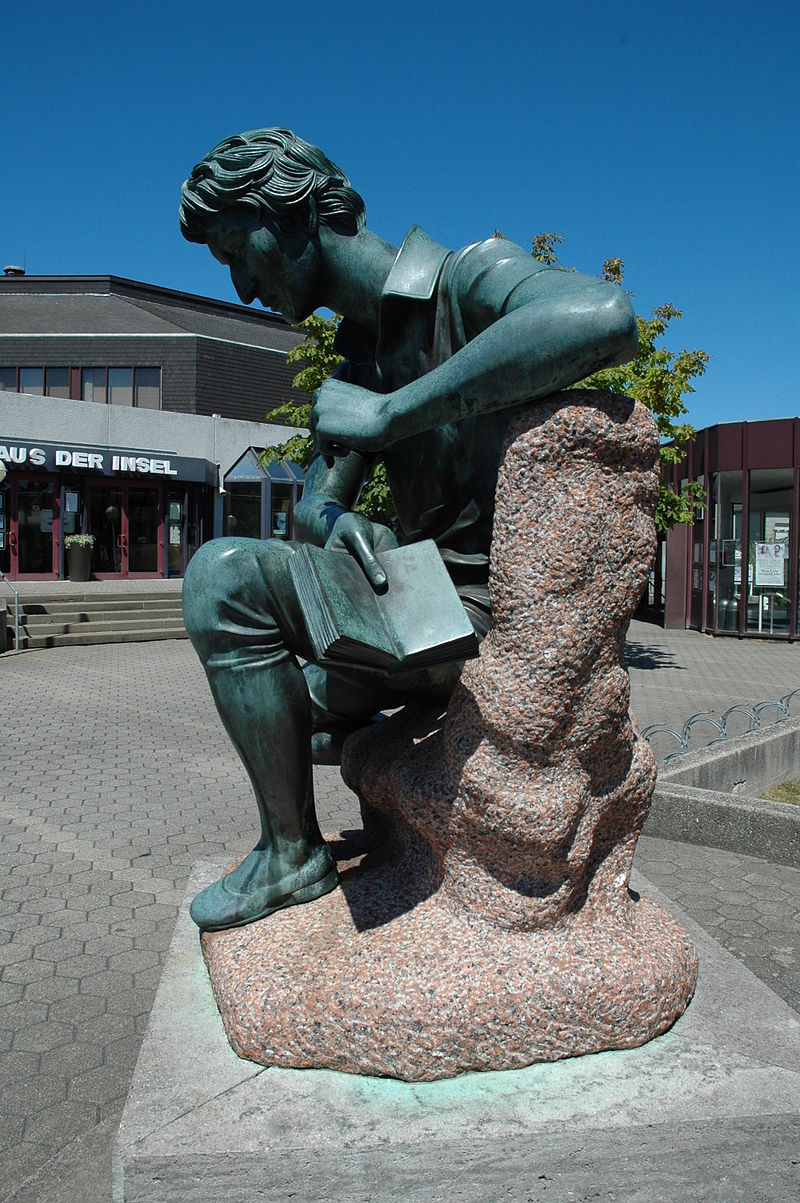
(433, 303)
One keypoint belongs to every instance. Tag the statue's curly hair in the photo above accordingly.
(275, 173)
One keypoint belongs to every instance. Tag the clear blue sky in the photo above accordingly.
(663, 133)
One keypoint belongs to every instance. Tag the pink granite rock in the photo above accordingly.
(495, 926)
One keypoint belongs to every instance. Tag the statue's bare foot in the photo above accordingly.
(260, 885)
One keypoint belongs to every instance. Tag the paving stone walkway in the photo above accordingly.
(117, 777)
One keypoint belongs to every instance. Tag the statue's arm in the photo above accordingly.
(324, 513)
(330, 491)
(554, 329)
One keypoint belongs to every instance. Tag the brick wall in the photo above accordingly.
(198, 375)
(177, 358)
(241, 382)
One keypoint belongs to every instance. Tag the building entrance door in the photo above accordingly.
(145, 510)
(109, 557)
(33, 529)
(127, 522)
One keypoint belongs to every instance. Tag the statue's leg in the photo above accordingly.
(340, 706)
(345, 699)
(241, 614)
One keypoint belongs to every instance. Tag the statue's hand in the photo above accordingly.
(361, 538)
(346, 417)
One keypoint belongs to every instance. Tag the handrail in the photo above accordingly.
(782, 706)
(6, 581)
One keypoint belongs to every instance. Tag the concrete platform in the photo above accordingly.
(710, 1110)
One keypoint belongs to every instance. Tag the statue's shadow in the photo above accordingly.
(382, 874)
(396, 863)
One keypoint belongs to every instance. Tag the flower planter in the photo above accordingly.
(79, 563)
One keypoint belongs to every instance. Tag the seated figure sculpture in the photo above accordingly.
(438, 348)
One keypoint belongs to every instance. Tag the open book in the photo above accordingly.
(417, 621)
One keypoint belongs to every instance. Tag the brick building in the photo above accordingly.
(124, 408)
(736, 570)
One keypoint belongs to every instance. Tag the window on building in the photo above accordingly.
(726, 572)
(57, 382)
(93, 385)
(260, 498)
(54, 382)
(281, 511)
(31, 380)
(147, 384)
(241, 513)
(768, 557)
(120, 386)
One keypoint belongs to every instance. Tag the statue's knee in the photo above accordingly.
(201, 587)
(223, 576)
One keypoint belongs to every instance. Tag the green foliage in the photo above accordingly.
(660, 379)
(300, 447)
(613, 270)
(315, 352)
(673, 508)
(788, 792)
(376, 502)
(543, 248)
(319, 359)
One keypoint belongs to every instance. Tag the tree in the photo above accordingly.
(659, 378)
(319, 359)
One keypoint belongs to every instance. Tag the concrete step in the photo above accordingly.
(50, 619)
(98, 605)
(80, 613)
(91, 636)
(123, 620)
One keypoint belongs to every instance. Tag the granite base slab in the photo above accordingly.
(709, 1110)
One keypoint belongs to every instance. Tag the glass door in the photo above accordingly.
(33, 536)
(182, 527)
(108, 524)
(176, 527)
(127, 523)
(145, 530)
(769, 574)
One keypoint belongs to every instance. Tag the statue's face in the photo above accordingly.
(282, 271)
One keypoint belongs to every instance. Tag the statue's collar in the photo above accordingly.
(413, 276)
(415, 271)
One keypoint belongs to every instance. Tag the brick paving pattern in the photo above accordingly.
(117, 777)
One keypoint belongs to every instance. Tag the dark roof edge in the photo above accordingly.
(135, 288)
(745, 422)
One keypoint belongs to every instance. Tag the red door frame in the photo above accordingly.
(158, 488)
(13, 527)
(124, 532)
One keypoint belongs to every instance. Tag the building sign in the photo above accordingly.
(106, 461)
(769, 565)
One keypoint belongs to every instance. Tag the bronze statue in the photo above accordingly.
(439, 346)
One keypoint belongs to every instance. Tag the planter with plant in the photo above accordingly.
(79, 556)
